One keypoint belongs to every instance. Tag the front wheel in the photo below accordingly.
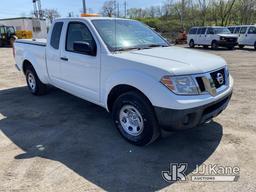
(241, 46)
(35, 86)
(215, 45)
(255, 45)
(135, 119)
(191, 43)
(231, 47)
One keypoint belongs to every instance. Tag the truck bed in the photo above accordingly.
(39, 42)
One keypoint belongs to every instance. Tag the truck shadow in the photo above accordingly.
(221, 48)
(81, 136)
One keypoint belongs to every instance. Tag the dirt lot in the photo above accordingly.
(59, 143)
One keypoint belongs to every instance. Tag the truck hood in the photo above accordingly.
(228, 35)
(175, 60)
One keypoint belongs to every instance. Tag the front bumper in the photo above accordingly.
(224, 43)
(171, 119)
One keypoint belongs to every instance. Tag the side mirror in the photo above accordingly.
(84, 48)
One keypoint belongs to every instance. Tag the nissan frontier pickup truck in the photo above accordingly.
(129, 69)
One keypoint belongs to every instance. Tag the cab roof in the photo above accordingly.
(90, 18)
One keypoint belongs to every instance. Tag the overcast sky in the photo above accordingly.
(17, 8)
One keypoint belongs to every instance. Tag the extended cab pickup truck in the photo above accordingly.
(127, 68)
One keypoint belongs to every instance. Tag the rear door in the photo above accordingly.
(243, 35)
(209, 36)
(197, 36)
(202, 36)
(251, 36)
(192, 34)
(53, 53)
(80, 72)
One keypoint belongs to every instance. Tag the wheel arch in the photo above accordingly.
(119, 90)
(39, 68)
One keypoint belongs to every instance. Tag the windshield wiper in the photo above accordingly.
(127, 48)
(154, 45)
(139, 48)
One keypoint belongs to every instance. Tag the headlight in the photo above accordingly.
(222, 38)
(180, 85)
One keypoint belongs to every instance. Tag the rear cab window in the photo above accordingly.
(243, 30)
(193, 31)
(237, 30)
(203, 30)
(252, 30)
(55, 36)
(199, 31)
(231, 29)
(210, 31)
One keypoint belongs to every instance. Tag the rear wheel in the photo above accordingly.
(205, 46)
(241, 46)
(35, 86)
(135, 119)
(231, 47)
(191, 43)
(255, 45)
(214, 45)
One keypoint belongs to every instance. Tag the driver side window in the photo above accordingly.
(78, 32)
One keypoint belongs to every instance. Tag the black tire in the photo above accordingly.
(205, 46)
(191, 43)
(214, 45)
(241, 46)
(39, 88)
(231, 47)
(150, 131)
(255, 45)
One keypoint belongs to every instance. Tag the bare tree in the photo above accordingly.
(109, 8)
(203, 8)
(51, 14)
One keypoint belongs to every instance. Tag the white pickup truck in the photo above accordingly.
(127, 68)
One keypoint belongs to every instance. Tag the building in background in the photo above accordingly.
(37, 26)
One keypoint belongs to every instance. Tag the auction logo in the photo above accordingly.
(176, 172)
(202, 173)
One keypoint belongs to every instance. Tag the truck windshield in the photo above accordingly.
(121, 35)
(221, 30)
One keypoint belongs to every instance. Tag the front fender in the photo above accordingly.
(147, 84)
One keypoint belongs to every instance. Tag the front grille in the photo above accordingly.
(200, 84)
(216, 77)
(232, 40)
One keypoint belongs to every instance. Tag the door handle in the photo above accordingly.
(64, 58)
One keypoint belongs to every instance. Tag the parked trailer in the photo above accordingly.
(38, 27)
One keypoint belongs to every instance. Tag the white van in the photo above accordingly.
(247, 35)
(212, 36)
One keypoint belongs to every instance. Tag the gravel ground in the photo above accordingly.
(59, 143)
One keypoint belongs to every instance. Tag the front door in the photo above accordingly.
(242, 36)
(80, 72)
(251, 36)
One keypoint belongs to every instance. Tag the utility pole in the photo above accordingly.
(84, 6)
(118, 9)
(125, 9)
(37, 9)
